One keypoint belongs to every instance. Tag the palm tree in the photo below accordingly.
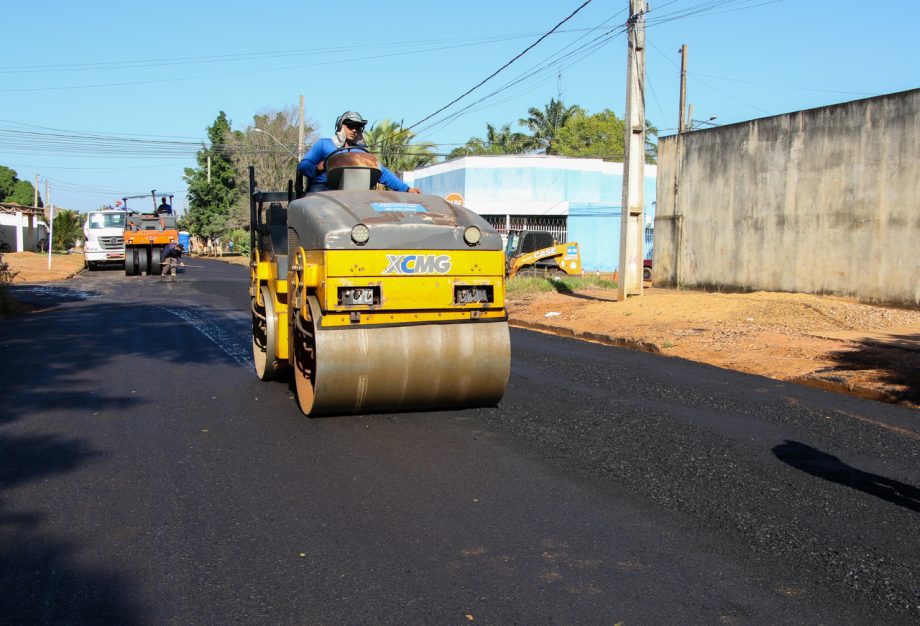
(393, 146)
(546, 123)
(503, 141)
(68, 228)
(497, 141)
(651, 147)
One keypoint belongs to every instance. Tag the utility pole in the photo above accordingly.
(300, 133)
(682, 124)
(632, 237)
(35, 192)
(50, 222)
(209, 169)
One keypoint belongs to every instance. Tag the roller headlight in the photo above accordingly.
(360, 234)
(472, 235)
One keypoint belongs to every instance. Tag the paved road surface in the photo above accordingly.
(147, 476)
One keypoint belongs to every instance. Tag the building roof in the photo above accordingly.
(12, 208)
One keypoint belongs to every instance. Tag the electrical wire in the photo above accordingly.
(496, 72)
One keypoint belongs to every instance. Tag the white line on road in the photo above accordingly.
(228, 342)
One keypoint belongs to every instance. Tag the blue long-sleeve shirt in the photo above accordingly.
(322, 149)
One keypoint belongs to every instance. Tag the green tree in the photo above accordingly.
(7, 302)
(68, 228)
(599, 135)
(14, 190)
(240, 239)
(393, 146)
(497, 141)
(651, 145)
(270, 146)
(546, 124)
(210, 203)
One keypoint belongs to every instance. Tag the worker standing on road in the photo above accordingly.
(171, 255)
(349, 133)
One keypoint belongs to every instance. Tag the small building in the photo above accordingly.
(575, 199)
(21, 227)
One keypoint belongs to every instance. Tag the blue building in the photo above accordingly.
(575, 199)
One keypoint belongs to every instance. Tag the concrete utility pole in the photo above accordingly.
(682, 124)
(632, 237)
(50, 223)
(300, 134)
(35, 192)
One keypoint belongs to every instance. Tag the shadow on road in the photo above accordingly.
(44, 356)
(826, 466)
(53, 366)
(40, 580)
(898, 366)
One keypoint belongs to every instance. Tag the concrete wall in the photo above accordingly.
(819, 201)
(20, 229)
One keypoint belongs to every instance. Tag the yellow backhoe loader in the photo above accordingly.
(531, 252)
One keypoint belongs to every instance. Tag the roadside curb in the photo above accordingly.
(609, 340)
(842, 387)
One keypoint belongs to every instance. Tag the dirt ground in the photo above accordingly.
(834, 343)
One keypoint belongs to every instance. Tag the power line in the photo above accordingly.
(495, 73)
(371, 57)
(550, 64)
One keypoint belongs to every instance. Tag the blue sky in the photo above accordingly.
(161, 72)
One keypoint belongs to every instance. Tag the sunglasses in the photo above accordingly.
(354, 125)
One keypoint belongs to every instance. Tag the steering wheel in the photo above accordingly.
(343, 149)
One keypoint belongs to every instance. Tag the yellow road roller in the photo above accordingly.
(376, 301)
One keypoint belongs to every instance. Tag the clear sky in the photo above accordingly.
(105, 99)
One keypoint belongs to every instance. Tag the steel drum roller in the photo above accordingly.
(365, 369)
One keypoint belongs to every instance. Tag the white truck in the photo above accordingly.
(104, 238)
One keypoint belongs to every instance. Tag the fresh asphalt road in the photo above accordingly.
(147, 476)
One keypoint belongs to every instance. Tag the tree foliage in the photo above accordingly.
(547, 123)
(270, 146)
(651, 145)
(562, 130)
(599, 135)
(14, 190)
(393, 146)
(497, 141)
(68, 228)
(210, 204)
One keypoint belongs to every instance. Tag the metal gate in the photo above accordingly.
(556, 225)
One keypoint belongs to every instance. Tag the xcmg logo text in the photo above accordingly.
(417, 264)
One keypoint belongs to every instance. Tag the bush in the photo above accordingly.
(7, 304)
(240, 239)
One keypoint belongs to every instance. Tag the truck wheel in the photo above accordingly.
(91, 266)
(156, 255)
(142, 255)
(131, 263)
(4, 247)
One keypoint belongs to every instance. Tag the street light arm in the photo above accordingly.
(265, 132)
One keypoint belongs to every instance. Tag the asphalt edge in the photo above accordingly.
(807, 380)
